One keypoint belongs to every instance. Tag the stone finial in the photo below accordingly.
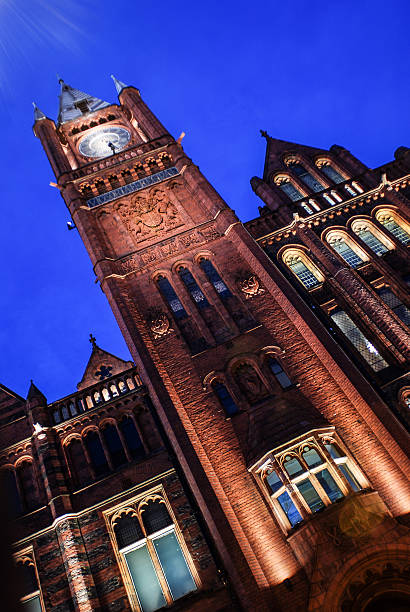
(93, 341)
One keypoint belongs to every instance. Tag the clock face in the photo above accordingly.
(104, 141)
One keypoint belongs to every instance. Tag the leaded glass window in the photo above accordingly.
(306, 177)
(214, 278)
(291, 191)
(372, 241)
(392, 301)
(225, 398)
(345, 250)
(279, 373)
(190, 283)
(153, 555)
(394, 228)
(171, 297)
(332, 173)
(366, 349)
(306, 276)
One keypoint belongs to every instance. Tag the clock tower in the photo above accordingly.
(238, 368)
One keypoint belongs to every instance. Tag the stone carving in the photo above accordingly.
(250, 286)
(145, 215)
(158, 323)
(250, 383)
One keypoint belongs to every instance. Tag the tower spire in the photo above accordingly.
(38, 114)
(119, 85)
(75, 103)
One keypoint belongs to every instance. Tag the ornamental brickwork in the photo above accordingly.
(257, 442)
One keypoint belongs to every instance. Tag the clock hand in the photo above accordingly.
(112, 147)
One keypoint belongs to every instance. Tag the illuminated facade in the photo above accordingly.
(254, 455)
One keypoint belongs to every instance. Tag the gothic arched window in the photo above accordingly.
(346, 248)
(287, 186)
(114, 445)
(225, 398)
(278, 372)
(372, 237)
(215, 278)
(302, 268)
(194, 290)
(131, 437)
(96, 453)
(395, 225)
(77, 462)
(171, 298)
(306, 176)
(25, 477)
(14, 504)
(28, 586)
(330, 171)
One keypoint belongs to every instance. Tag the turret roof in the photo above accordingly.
(75, 103)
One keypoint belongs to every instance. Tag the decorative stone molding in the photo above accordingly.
(158, 323)
(250, 285)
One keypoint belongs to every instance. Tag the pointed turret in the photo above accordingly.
(75, 103)
(35, 394)
(38, 114)
(119, 85)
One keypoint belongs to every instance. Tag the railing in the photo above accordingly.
(95, 396)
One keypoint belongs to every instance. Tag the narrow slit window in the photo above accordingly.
(279, 373)
(226, 399)
(195, 292)
(215, 278)
(171, 298)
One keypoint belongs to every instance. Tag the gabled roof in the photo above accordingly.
(101, 365)
(275, 148)
(72, 101)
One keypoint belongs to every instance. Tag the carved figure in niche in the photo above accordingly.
(250, 383)
(149, 213)
(250, 285)
(158, 323)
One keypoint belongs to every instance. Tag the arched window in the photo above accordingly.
(306, 176)
(330, 172)
(214, 278)
(395, 225)
(302, 268)
(25, 477)
(195, 292)
(156, 564)
(114, 445)
(346, 248)
(278, 372)
(132, 438)
(226, 399)
(289, 188)
(393, 301)
(28, 586)
(171, 298)
(371, 237)
(14, 504)
(96, 452)
(366, 349)
(77, 462)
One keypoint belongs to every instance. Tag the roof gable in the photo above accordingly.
(102, 364)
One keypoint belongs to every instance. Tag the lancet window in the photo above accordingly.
(346, 248)
(171, 298)
(372, 237)
(96, 453)
(330, 171)
(395, 225)
(225, 398)
(288, 187)
(306, 176)
(195, 292)
(28, 584)
(215, 278)
(153, 555)
(357, 338)
(278, 372)
(302, 268)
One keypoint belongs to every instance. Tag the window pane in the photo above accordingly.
(293, 466)
(312, 457)
(32, 605)
(171, 297)
(280, 375)
(333, 174)
(349, 476)
(145, 579)
(289, 508)
(395, 229)
(215, 279)
(291, 191)
(193, 288)
(371, 240)
(173, 563)
(359, 340)
(310, 495)
(328, 483)
(132, 438)
(274, 482)
(392, 301)
(345, 251)
(127, 531)
(225, 398)
(303, 273)
(155, 517)
(114, 445)
(306, 177)
(333, 450)
(96, 452)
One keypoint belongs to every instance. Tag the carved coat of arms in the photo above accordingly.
(150, 213)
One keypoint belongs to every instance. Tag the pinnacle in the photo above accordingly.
(119, 85)
(38, 114)
(35, 393)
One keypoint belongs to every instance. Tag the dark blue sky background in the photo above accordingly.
(313, 72)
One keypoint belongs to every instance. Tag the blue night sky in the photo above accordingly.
(312, 72)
